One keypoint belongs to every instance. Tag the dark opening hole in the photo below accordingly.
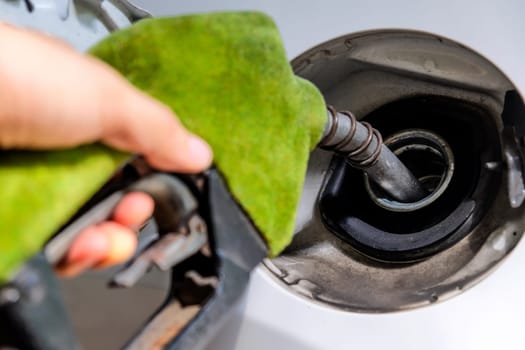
(428, 167)
(424, 159)
(473, 139)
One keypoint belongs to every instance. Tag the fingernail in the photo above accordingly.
(199, 150)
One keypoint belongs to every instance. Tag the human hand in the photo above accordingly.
(52, 97)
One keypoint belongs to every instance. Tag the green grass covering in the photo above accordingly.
(227, 77)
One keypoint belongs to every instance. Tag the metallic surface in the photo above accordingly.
(169, 250)
(132, 12)
(166, 326)
(514, 160)
(321, 267)
(81, 23)
(206, 282)
(420, 141)
(364, 149)
(238, 248)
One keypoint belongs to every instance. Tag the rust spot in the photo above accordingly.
(165, 326)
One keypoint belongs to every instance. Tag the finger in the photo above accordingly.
(98, 246)
(133, 210)
(122, 243)
(94, 245)
(90, 247)
(142, 125)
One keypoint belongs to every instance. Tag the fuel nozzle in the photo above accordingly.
(364, 149)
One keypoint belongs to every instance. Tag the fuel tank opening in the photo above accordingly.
(458, 124)
(428, 157)
(446, 151)
(363, 148)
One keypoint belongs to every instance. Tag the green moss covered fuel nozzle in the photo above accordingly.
(227, 77)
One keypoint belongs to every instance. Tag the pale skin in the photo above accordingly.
(52, 97)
